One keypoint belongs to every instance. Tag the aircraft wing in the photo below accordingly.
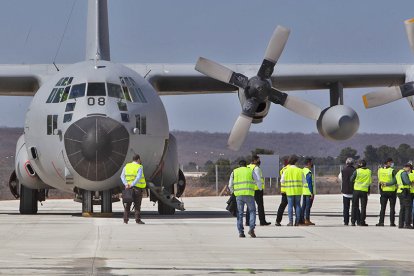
(176, 79)
(23, 80)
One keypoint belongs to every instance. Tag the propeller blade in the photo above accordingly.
(274, 50)
(383, 96)
(220, 72)
(295, 104)
(409, 28)
(239, 132)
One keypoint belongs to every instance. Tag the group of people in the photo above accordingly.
(392, 184)
(247, 183)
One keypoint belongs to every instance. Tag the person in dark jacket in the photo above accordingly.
(347, 188)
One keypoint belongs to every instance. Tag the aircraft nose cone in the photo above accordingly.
(96, 147)
(96, 141)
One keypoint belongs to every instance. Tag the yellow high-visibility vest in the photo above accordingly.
(293, 181)
(385, 176)
(411, 176)
(362, 180)
(400, 183)
(305, 190)
(131, 171)
(243, 183)
(282, 185)
(252, 166)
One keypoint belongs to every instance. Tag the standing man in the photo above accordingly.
(307, 192)
(362, 181)
(284, 201)
(347, 189)
(404, 195)
(388, 190)
(294, 179)
(258, 193)
(133, 178)
(242, 183)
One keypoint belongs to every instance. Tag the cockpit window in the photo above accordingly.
(96, 89)
(131, 90)
(114, 90)
(78, 90)
(61, 91)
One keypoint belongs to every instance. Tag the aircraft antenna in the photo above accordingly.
(56, 66)
(147, 73)
(64, 31)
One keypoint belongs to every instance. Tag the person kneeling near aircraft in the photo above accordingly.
(242, 183)
(133, 178)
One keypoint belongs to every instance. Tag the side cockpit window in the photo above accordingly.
(132, 92)
(78, 90)
(61, 91)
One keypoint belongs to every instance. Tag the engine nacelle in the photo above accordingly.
(261, 110)
(338, 122)
(24, 170)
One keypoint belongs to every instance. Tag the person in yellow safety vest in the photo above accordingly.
(284, 201)
(293, 179)
(388, 190)
(133, 178)
(362, 180)
(404, 195)
(258, 193)
(308, 192)
(242, 183)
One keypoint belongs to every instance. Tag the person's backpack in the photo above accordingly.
(128, 195)
(232, 205)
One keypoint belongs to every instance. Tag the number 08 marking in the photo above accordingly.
(92, 101)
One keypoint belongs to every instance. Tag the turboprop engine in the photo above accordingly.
(338, 122)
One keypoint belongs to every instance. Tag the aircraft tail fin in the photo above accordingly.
(97, 34)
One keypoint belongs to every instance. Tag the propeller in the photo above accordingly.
(258, 88)
(393, 93)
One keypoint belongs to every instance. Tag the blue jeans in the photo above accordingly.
(294, 201)
(306, 206)
(251, 206)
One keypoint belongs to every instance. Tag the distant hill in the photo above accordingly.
(200, 147)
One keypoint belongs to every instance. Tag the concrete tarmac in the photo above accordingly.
(203, 240)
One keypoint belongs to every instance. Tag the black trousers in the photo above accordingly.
(392, 198)
(406, 208)
(281, 208)
(137, 203)
(346, 208)
(258, 197)
(359, 196)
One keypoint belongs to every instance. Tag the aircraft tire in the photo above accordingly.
(164, 209)
(106, 201)
(28, 200)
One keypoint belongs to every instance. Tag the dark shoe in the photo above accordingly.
(400, 226)
(379, 224)
(278, 224)
(265, 223)
(363, 224)
(251, 233)
(353, 224)
(125, 221)
(140, 222)
(408, 227)
(346, 224)
(242, 235)
(393, 225)
(289, 224)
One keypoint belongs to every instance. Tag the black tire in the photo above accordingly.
(164, 209)
(106, 201)
(28, 201)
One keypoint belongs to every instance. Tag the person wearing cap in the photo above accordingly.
(242, 183)
(347, 189)
(293, 179)
(388, 190)
(404, 195)
(362, 181)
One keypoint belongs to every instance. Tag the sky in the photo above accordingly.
(231, 31)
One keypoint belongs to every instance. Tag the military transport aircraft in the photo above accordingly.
(87, 120)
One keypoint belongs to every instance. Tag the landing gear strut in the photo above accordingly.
(87, 204)
(106, 202)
